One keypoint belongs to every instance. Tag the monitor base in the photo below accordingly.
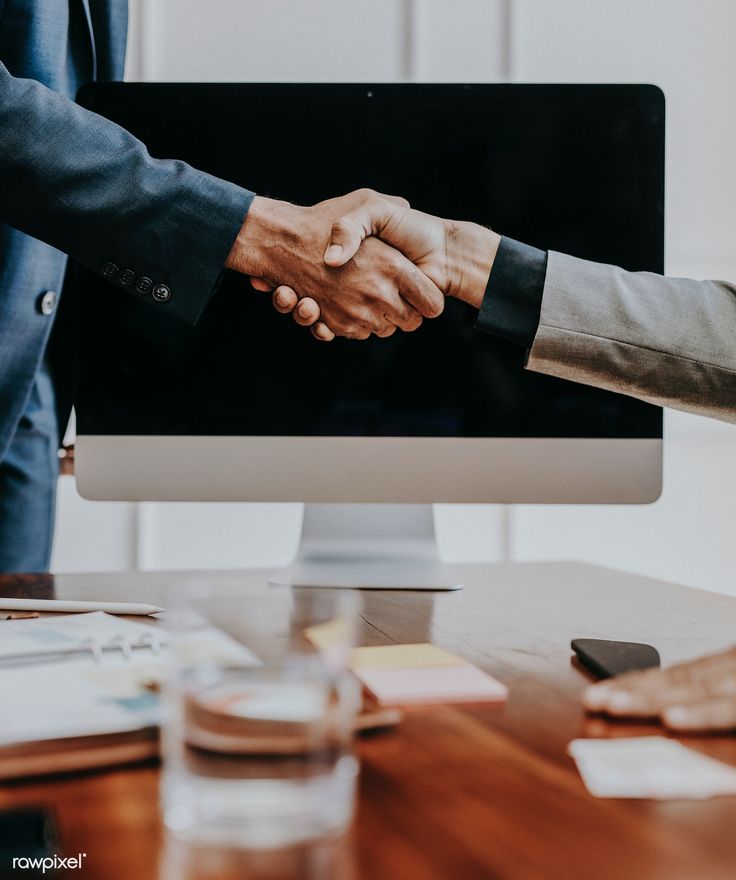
(368, 547)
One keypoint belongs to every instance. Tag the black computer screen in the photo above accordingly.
(577, 169)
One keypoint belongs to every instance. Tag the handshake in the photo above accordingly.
(361, 264)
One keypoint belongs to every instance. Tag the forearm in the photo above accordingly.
(471, 252)
(89, 188)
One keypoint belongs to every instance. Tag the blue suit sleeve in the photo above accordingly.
(512, 302)
(84, 185)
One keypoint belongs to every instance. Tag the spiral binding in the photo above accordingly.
(93, 646)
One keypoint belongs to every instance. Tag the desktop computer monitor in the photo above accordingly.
(248, 406)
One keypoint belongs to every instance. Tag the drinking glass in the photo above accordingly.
(259, 711)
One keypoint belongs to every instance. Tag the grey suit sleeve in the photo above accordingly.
(89, 188)
(669, 341)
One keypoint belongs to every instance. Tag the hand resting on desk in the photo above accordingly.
(699, 695)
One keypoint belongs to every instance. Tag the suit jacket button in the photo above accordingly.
(109, 269)
(161, 293)
(143, 284)
(47, 302)
(127, 276)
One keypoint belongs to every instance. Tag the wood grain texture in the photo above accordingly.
(455, 793)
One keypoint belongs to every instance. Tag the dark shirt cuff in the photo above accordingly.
(512, 302)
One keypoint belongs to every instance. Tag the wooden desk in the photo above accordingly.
(455, 793)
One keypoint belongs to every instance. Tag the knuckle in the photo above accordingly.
(366, 193)
(395, 264)
(367, 324)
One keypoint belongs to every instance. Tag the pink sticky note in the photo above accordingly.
(439, 684)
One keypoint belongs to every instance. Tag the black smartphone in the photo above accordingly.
(27, 837)
(606, 658)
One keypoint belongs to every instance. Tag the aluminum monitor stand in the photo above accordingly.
(369, 547)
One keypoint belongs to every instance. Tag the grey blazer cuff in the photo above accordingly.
(668, 341)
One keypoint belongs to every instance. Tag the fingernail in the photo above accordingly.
(675, 715)
(282, 299)
(620, 700)
(303, 310)
(595, 697)
(333, 252)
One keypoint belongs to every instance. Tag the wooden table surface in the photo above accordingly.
(454, 793)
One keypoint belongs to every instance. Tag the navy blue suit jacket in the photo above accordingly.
(74, 183)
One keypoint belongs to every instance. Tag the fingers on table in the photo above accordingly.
(713, 713)
(700, 684)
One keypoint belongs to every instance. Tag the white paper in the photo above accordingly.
(649, 767)
(75, 698)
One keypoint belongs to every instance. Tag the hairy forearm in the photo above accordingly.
(266, 240)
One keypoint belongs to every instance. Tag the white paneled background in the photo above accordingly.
(686, 47)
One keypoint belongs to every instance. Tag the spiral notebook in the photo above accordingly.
(42, 638)
(75, 690)
(73, 693)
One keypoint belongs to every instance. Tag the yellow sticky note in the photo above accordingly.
(332, 632)
(402, 657)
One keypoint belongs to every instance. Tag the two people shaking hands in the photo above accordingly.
(362, 264)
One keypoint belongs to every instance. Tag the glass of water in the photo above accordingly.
(259, 711)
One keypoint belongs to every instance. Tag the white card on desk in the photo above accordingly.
(649, 767)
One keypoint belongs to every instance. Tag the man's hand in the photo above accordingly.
(377, 292)
(456, 256)
(695, 696)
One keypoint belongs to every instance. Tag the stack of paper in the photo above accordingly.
(398, 675)
(649, 767)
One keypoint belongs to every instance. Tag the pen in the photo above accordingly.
(70, 606)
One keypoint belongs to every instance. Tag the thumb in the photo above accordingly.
(369, 218)
(346, 236)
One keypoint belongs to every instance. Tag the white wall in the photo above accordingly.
(686, 47)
